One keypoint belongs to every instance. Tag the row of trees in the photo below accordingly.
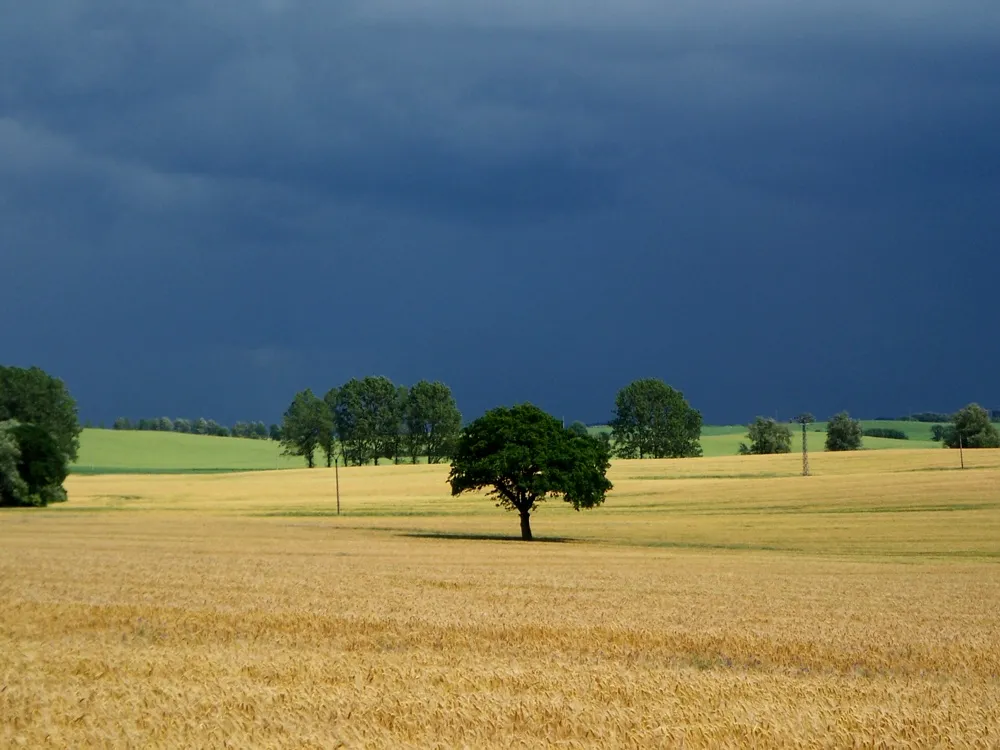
(767, 435)
(201, 426)
(39, 437)
(970, 427)
(370, 419)
(937, 416)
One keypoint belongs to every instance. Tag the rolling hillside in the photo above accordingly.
(113, 452)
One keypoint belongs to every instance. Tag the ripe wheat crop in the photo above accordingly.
(711, 603)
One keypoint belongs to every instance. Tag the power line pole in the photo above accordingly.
(804, 419)
(336, 469)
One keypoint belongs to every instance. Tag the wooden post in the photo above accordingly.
(805, 452)
(336, 469)
(961, 450)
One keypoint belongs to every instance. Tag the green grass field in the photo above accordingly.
(724, 440)
(113, 452)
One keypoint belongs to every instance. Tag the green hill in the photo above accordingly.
(125, 452)
(724, 440)
(120, 452)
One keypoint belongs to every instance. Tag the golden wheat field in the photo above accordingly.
(711, 603)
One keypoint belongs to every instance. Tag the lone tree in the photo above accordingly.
(804, 419)
(971, 427)
(654, 420)
(767, 436)
(843, 433)
(306, 426)
(523, 456)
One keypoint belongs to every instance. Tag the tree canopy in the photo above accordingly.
(766, 437)
(843, 433)
(367, 415)
(653, 420)
(305, 425)
(13, 488)
(32, 396)
(431, 421)
(971, 426)
(523, 455)
(41, 464)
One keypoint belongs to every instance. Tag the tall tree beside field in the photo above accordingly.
(431, 422)
(42, 464)
(523, 456)
(767, 437)
(653, 420)
(348, 419)
(398, 443)
(843, 433)
(368, 418)
(384, 410)
(33, 396)
(13, 488)
(304, 426)
(330, 437)
(972, 427)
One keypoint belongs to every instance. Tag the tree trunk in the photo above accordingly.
(526, 525)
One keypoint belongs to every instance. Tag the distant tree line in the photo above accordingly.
(886, 432)
(201, 426)
(926, 416)
(369, 419)
(993, 415)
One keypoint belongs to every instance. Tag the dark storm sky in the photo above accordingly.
(774, 206)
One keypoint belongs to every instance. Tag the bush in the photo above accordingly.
(885, 432)
(766, 436)
(843, 433)
(971, 428)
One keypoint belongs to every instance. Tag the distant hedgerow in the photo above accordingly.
(885, 432)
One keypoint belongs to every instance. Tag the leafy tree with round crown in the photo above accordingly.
(523, 455)
(767, 437)
(843, 433)
(653, 420)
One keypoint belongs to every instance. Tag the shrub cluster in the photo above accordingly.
(201, 426)
(885, 432)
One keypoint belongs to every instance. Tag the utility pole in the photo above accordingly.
(804, 419)
(336, 469)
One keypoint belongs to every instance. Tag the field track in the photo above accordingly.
(712, 603)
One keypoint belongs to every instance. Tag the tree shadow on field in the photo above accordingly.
(488, 537)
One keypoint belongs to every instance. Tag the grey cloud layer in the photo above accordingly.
(236, 141)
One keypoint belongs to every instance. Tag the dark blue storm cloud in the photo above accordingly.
(773, 206)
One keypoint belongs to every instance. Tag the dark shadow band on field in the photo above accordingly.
(487, 537)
